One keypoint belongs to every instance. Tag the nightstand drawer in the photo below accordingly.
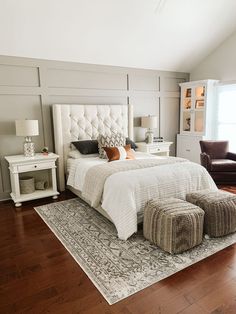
(36, 166)
(156, 149)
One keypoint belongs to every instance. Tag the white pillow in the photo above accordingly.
(76, 154)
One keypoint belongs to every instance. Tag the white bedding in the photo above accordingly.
(78, 167)
(125, 193)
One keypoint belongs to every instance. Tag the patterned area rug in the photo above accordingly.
(117, 268)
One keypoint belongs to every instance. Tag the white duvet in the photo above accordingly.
(126, 193)
(78, 167)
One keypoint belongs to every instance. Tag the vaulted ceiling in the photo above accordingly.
(156, 34)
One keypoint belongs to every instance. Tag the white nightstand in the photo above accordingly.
(41, 166)
(158, 148)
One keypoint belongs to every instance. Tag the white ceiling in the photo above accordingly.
(158, 34)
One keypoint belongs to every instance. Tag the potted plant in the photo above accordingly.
(45, 150)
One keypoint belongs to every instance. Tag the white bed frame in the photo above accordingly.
(75, 121)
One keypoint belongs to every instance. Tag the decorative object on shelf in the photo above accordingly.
(150, 123)
(203, 92)
(199, 104)
(188, 92)
(188, 123)
(188, 104)
(200, 91)
(26, 185)
(158, 139)
(45, 151)
(27, 128)
(41, 185)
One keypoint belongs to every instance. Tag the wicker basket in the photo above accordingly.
(27, 185)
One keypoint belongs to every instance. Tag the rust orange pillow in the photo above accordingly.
(119, 153)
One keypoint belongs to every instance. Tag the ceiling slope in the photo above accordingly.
(170, 35)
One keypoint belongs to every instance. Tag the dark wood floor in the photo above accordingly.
(37, 275)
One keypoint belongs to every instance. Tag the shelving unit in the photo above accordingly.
(196, 117)
(193, 104)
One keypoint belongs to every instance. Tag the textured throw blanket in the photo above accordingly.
(96, 176)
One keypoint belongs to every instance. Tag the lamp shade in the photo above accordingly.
(27, 127)
(149, 122)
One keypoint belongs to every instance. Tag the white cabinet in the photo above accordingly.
(197, 117)
(188, 147)
(198, 101)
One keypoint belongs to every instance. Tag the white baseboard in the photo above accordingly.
(4, 197)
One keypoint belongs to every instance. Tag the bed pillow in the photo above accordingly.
(129, 141)
(86, 147)
(113, 140)
(75, 154)
(119, 153)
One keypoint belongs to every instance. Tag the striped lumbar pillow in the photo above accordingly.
(119, 153)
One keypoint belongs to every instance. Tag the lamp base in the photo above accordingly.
(149, 136)
(29, 149)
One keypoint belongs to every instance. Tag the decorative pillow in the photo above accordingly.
(109, 141)
(129, 141)
(86, 147)
(119, 153)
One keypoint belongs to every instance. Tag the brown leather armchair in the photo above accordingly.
(220, 163)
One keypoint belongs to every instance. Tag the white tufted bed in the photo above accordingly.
(86, 122)
(123, 194)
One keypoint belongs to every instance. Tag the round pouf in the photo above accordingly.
(172, 224)
(220, 211)
(27, 185)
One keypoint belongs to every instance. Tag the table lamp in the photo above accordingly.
(27, 128)
(150, 123)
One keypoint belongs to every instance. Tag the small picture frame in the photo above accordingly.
(188, 92)
(199, 104)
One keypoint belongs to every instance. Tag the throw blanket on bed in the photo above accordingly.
(96, 176)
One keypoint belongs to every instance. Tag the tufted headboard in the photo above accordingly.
(73, 122)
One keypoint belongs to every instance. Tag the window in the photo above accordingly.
(226, 115)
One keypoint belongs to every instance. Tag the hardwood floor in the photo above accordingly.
(37, 275)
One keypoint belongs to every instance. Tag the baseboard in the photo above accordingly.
(4, 197)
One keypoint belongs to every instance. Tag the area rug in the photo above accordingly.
(117, 268)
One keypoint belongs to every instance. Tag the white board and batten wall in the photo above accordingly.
(29, 87)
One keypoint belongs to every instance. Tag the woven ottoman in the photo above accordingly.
(172, 224)
(220, 211)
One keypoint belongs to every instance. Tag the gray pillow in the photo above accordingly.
(132, 144)
(86, 147)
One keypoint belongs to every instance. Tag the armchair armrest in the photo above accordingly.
(231, 156)
(205, 161)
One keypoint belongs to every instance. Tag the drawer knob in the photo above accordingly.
(35, 166)
(158, 149)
